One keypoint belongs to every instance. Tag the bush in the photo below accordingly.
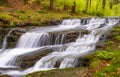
(105, 55)
(117, 37)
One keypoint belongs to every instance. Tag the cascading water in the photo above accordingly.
(81, 47)
(68, 57)
(33, 40)
(28, 42)
(4, 45)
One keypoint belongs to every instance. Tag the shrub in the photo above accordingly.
(105, 55)
(117, 37)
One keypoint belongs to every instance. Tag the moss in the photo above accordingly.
(106, 55)
(67, 72)
(35, 18)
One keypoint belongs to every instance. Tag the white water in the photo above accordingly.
(4, 45)
(30, 41)
(83, 45)
(33, 40)
(38, 38)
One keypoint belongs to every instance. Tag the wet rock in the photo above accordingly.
(71, 37)
(5, 76)
(52, 22)
(30, 59)
(12, 38)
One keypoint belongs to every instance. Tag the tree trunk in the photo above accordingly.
(65, 6)
(110, 4)
(97, 6)
(90, 3)
(74, 7)
(87, 4)
(51, 7)
(103, 4)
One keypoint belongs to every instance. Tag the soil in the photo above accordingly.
(9, 5)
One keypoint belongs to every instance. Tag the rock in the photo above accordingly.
(5, 76)
(12, 38)
(30, 59)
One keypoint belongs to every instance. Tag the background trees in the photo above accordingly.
(51, 7)
(93, 7)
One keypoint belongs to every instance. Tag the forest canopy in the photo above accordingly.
(93, 7)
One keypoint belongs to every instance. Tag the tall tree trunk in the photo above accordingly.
(74, 7)
(103, 4)
(51, 7)
(97, 5)
(90, 3)
(110, 4)
(65, 6)
(87, 4)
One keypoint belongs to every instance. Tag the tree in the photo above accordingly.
(90, 3)
(103, 4)
(51, 7)
(74, 7)
(110, 4)
(65, 6)
(97, 5)
(87, 4)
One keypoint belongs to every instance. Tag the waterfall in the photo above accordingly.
(4, 45)
(71, 22)
(81, 47)
(33, 40)
(36, 39)
(28, 42)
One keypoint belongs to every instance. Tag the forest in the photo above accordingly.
(59, 38)
(21, 12)
(92, 7)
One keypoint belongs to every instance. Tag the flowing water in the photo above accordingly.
(53, 37)
(4, 45)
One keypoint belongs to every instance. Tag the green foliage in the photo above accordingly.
(117, 37)
(106, 72)
(94, 9)
(106, 55)
(113, 59)
(95, 62)
(116, 59)
(5, 16)
(109, 45)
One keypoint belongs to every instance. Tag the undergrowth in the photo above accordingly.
(34, 18)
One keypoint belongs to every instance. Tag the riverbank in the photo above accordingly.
(34, 18)
(104, 62)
